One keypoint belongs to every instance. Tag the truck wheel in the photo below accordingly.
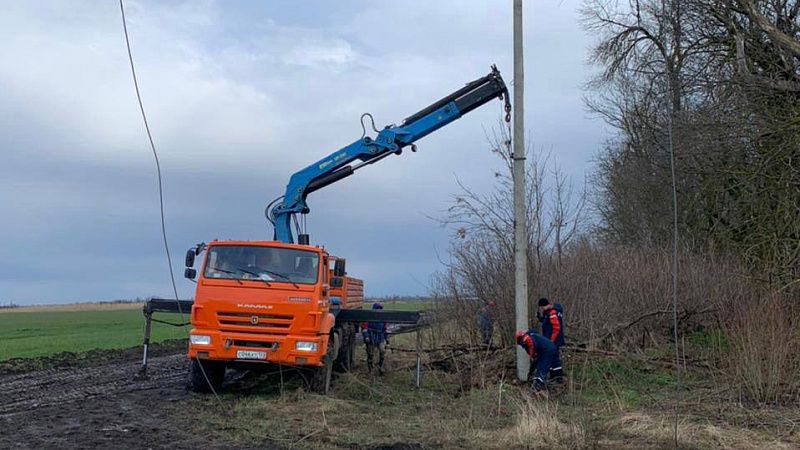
(321, 378)
(208, 382)
(344, 363)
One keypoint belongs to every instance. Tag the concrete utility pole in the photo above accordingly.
(520, 216)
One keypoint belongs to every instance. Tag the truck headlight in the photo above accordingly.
(305, 346)
(199, 339)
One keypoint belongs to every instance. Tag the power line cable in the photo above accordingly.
(155, 156)
(160, 189)
(670, 143)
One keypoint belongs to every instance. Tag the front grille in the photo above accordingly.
(244, 322)
(259, 324)
(254, 344)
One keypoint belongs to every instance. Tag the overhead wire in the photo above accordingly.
(155, 154)
(671, 148)
(160, 188)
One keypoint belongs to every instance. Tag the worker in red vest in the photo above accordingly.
(552, 319)
(541, 352)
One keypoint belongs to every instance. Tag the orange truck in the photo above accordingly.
(270, 302)
(291, 303)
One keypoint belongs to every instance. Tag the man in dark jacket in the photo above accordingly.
(552, 320)
(541, 352)
(486, 321)
(375, 338)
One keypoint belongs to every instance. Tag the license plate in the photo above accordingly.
(249, 354)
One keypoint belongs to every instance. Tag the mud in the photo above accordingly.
(97, 357)
(101, 403)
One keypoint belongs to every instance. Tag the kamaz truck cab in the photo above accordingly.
(269, 302)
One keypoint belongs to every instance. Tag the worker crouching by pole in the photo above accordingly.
(376, 337)
(541, 352)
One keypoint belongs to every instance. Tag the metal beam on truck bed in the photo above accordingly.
(154, 305)
(168, 306)
(377, 315)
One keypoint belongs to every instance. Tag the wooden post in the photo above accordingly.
(418, 378)
(147, 318)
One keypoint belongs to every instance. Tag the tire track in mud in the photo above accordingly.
(21, 393)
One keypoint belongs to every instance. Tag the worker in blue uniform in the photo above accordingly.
(486, 321)
(376, 337)
(541, 353)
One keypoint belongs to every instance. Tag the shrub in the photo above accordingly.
(764, 349)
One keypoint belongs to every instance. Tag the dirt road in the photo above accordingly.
(101, 406)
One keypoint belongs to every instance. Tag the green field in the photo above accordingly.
(41, 333)
(31, 334)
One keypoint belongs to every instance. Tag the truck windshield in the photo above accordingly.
(270, 264)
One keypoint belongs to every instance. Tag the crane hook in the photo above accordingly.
(364, 128)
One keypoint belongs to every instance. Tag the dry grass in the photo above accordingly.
(368, 412)
(764, 341)
(659, 429)
(538, 427)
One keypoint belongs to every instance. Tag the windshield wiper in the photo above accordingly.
(258, 277)
(227, 271)
(280, 275)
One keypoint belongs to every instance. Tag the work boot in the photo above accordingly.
(537, 386)
(557, 375)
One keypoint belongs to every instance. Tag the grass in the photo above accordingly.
(43, 333)
(625, 383)
(364, 411)
(370, 412)
(620, 402)
(709, 340)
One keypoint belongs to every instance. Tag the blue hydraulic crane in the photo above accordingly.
(366, 150)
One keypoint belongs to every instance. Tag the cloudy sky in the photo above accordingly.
(239, 96)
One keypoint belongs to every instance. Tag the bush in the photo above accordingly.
(764, 349)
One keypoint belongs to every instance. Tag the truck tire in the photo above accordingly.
(344, 363)
(209, 381)
(321, 377)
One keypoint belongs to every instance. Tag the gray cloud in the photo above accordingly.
(239, 97)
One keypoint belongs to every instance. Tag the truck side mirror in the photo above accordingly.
(190, 273)
(190, 258)
(339, 268)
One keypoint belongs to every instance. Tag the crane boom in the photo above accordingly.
(391, 140)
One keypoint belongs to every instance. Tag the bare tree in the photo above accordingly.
(729, 72)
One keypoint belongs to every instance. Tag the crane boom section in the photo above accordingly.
(391, 140)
